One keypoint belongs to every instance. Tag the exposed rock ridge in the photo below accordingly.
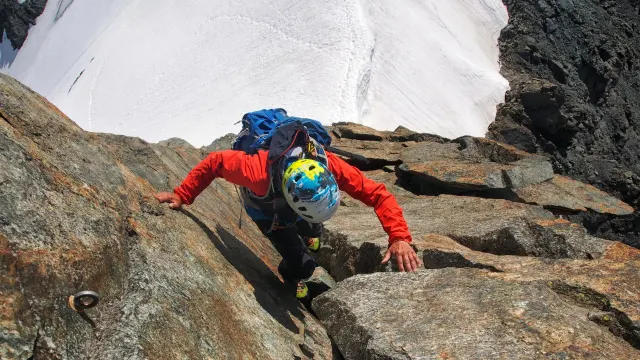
(17, 17)
(573, 70)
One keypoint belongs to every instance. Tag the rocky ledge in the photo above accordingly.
(506, 274)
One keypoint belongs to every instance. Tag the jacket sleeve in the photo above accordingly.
(373, 194)
(234, 166)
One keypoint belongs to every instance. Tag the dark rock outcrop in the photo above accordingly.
(76, 213)
(16, 18)
(573, 70)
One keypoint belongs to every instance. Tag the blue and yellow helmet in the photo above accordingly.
(311, 190)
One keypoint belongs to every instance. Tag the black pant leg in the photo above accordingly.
(296, 262)
(308, 229)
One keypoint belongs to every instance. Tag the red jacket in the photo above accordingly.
(251, 172)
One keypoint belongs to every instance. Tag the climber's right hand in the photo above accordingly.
(173, 199)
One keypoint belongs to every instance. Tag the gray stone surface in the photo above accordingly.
(222, 143)
(403, 134)
(355, 239)
(355, 131)
(461, 314)
(470, 164)
(563, 193)
(77, 213)
(176, 143)
(377, 153)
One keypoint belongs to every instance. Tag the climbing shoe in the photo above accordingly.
(313, 244)
(302, 291)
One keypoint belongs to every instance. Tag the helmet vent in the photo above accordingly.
(312, 167)
(296, 199)
(302, 208)
(298, 177)
(307, 216)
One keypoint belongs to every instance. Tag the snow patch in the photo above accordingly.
(63, 5)
(159, 68)
(435, 68)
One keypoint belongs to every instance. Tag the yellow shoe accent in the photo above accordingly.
(302, 290)
(313, 244)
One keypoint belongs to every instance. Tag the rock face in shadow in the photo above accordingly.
(461, 314)
(573, 71)
(77, 213)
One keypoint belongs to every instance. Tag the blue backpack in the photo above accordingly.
(258, 128)
(274, 130)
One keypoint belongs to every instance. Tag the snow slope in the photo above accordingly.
(161, 68)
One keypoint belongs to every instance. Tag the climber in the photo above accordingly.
(310, 188)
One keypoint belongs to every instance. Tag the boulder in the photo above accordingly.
(223, 143)
(176, 143)
(377, 153)
(457, 176)
(402, 134)
(610, 282)
(427, 152)
(566, 194)
(78, 214)
(390, 181)
(491, 150)
(355, 242)
(470, 164)
(462, 314)
(491, 169)
(348, 130)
